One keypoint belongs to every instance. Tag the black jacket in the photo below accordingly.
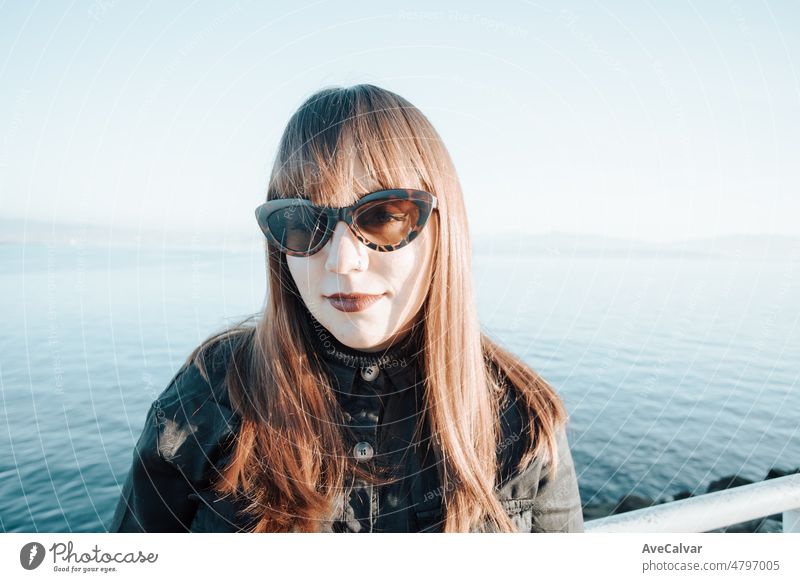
(190, 428)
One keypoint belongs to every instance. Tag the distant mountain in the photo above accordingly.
(553, 244)
(15, 231)
(564, 245)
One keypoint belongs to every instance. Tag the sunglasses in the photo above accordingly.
(386, 220)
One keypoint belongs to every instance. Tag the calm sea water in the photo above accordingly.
(675, 371)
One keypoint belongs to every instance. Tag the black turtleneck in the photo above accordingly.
(349, 367)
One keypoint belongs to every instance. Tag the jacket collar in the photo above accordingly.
(400, 361)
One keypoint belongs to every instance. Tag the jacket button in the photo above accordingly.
(363, 451)
(370, 373)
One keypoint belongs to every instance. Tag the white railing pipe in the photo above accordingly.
(712, 510)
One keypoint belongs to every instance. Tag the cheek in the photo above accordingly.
(302, 273)
(411, 267)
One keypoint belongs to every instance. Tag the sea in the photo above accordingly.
(676, 368)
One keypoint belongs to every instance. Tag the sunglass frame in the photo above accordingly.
(348, 214)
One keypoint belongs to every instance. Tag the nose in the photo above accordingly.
(345, 251)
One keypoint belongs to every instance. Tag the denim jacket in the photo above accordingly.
(190, 428)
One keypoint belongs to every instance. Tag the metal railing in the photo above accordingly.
(712, 510)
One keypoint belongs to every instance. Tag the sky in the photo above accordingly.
(655, 121)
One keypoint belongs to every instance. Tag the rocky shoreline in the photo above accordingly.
(631, 502)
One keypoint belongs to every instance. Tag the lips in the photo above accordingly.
(349, 302)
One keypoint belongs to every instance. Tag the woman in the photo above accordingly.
(366, 398)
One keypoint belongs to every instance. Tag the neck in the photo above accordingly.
(330, 348)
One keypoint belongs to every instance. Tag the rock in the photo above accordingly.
(598, 510)
(631, 503)
(676, 497)
(774, 473)
(770, 525)
(728, 482)
(760, 525)
(744, 527)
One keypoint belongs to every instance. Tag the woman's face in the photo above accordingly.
(402, 277)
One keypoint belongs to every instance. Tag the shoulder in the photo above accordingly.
(515, 434)
(520, 426)
(199, 384)
(190, 422)
(201, 378)
(551, 498)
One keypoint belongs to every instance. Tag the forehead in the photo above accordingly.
(363, 181)
(345, 184)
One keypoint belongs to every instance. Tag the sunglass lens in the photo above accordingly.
(298, 228)
(388, 222)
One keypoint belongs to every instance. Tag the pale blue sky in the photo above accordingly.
(656, 121)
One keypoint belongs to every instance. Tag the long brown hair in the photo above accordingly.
(289, 460)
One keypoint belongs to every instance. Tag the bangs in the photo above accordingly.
(344, 143)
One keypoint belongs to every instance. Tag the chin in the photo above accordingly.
(357, 335)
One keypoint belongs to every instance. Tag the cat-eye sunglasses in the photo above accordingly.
(385, 220)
